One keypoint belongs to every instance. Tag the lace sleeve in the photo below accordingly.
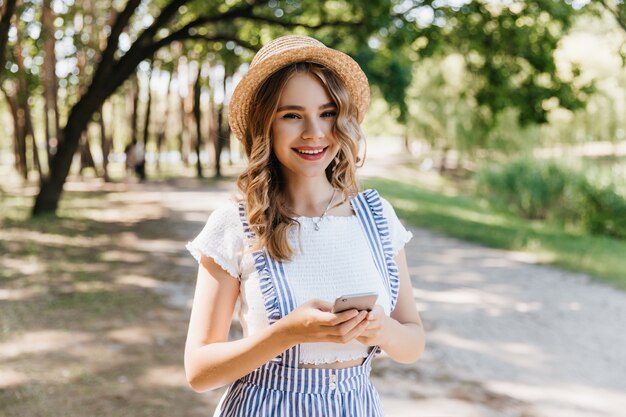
(221, 239)
(398, 234)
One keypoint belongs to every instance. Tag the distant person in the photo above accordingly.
(300, 235)
(140, 160)
(130, 159)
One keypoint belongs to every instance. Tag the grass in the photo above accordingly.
(467, 217)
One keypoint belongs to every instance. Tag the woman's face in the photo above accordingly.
(302, 128)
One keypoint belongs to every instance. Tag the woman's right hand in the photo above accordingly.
(313, 321)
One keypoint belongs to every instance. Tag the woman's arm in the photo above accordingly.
(212, 361)
(401, 336)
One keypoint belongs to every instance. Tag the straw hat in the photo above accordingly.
(287, 50)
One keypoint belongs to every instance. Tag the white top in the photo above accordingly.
(336, 260)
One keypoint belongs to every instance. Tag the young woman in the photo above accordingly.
(301, 235)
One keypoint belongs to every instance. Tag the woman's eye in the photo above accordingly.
(329, 114)
(291, 116)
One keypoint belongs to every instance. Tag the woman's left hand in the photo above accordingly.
(375, 333)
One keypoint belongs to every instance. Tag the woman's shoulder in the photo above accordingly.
(227, 209)
(226, 216)
(373, 195)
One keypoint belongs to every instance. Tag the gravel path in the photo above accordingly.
(506, 337)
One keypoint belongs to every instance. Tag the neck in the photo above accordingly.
(308, 196)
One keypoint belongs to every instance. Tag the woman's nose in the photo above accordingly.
(313, 129)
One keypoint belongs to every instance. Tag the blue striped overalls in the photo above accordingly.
(280, 387)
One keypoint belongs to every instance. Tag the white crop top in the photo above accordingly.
(336, 260)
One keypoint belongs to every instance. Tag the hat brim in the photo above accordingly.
(346, 68)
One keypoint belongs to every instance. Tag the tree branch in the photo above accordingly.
(163, 18)
(106, 59)
(225, 38)
(620, 19)
(284, 23)
(186, 31)
(5, 25)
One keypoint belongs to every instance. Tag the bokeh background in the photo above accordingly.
(498, 122)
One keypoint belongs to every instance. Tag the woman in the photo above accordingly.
(301, 236)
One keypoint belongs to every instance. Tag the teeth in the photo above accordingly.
(310, 152)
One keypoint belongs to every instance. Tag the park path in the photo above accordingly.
(505, 336)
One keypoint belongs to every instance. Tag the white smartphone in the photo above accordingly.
(362, 301)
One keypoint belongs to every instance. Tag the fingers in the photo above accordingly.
(354, 333)
(321, 305)
(376, 313)
(334, 319)
(346, 331)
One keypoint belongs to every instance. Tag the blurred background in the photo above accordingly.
(500, 122)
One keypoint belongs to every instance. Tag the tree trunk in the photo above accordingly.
(185, 109)
(105, 144)
(19, 137)
(146, 125)
(23, 112)
(47, 200)
(134, 102)
(160, 135)
(222, 123)
(197, 114)
(213, 127)
(31, 132)
(51, 110)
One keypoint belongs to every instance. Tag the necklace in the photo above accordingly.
(317, 223)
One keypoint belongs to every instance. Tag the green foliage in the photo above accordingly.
(444, 112)
(529, 188)
(546, 190)
(600, 209)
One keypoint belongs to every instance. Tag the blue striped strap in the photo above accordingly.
(278, 296)
(376, 227)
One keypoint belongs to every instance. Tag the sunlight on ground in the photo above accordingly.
(20, 293)
(42, 341)
(159, 245)
(166, 376)
(33, 266)
(131, 335)
(42, 238)
(587, 399)
(138, 280)
(522, 355)
(526, 257)
(469, 296)
(122, 255)
(9, 377)
(473, 216)
(458, 342)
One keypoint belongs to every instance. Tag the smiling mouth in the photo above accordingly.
(310, 151)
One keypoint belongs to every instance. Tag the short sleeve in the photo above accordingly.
(397, 232)
(221, 239)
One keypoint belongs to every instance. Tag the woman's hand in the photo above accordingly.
(375, 333)
(313, 321)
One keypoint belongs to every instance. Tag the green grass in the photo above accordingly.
(469, 218)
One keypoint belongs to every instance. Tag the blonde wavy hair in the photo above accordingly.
(261, 183)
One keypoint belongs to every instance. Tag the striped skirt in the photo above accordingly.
(277, 390)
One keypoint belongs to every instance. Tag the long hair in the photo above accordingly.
(262, 182)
